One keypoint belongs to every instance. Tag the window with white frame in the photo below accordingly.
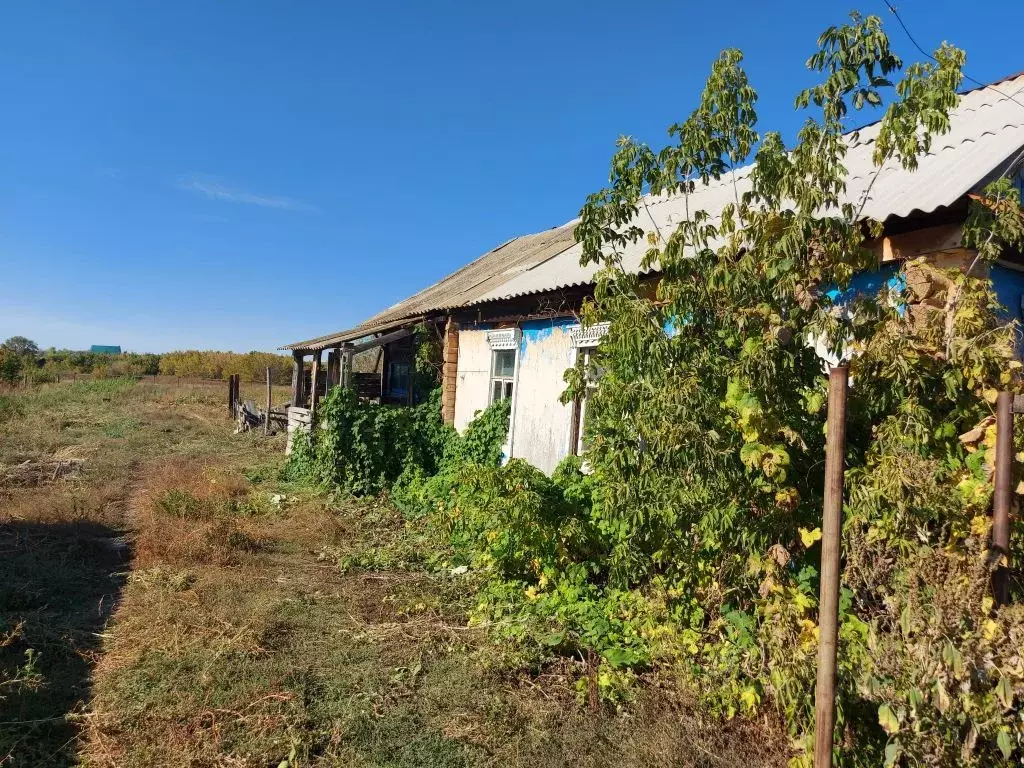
(591, 376)
(585, 340)
(503, 374)
(504, 343)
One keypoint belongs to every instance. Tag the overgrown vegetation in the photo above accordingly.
(21, 358)
(178, 603)
(250, 366)
(707, 443)
(691, 548)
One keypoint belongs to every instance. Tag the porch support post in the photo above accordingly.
(332, 370)
(346, 365)
(297, 366)
(314, 393)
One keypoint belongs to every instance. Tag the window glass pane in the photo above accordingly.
(508, 389)
(495, 391)
(398, 379)
(504, 362)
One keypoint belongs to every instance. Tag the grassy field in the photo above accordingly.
(166, 599)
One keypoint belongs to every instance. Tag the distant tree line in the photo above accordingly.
(21, 357)
(251, 366)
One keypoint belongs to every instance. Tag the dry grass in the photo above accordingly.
(235, 638)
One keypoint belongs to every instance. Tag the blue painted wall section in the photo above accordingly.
(535, 331)
(1009, 287)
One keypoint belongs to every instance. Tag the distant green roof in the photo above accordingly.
(103, 349)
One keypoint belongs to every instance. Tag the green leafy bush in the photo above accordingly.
(707, 444)
(368, 448)
(691, 545)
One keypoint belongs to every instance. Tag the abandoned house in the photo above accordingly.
(509, 320)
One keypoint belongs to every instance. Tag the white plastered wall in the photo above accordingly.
(472, 386)
(541, 424)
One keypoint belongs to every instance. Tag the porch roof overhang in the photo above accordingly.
(364, 331)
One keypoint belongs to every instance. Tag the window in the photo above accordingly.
(503, 369)
(582, 439)
(398, 379)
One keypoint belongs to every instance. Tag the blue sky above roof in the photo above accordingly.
(238, 175)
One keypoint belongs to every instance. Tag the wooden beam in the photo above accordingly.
(346, 365)
(410, 394)
(314, 393)
(831, 552)
(379, 341)
(332, 369)
(297, 366)
(919, 242)
(1002, 496)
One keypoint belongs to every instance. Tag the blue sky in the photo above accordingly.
(243, 174)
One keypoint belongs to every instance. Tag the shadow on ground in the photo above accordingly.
(59, 583)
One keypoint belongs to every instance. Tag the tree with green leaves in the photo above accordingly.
(707, 443)
(20, 346)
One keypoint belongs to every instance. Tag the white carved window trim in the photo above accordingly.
(587, 337)
(504, 338)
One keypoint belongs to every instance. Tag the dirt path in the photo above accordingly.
(253, 620)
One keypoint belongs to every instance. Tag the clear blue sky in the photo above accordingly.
(243, 174)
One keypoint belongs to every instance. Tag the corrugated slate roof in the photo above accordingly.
(987, 129)
(462, 287)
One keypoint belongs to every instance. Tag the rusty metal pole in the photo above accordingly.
(828, 602)
(1003, 493)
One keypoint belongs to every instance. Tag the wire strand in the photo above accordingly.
(917, 45)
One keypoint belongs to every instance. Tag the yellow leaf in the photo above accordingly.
(979, 525)
(989, 629)
(809, 537)
(808, 633)
(888, 720)
(990, 395)
(749, 698)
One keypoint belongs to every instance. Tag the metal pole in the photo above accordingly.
(266, 418)
(828, 602)
(1003, 495)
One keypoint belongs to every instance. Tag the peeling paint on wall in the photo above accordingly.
(540, 428)
(540, 432)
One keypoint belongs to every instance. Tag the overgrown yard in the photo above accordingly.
(168, 599)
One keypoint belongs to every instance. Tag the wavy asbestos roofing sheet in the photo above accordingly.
(460, 288)
(986, 129)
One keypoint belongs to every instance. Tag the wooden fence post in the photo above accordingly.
(236, 389)
(266, 418)
(828, 602)
(1002, 496)
(231, 395)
